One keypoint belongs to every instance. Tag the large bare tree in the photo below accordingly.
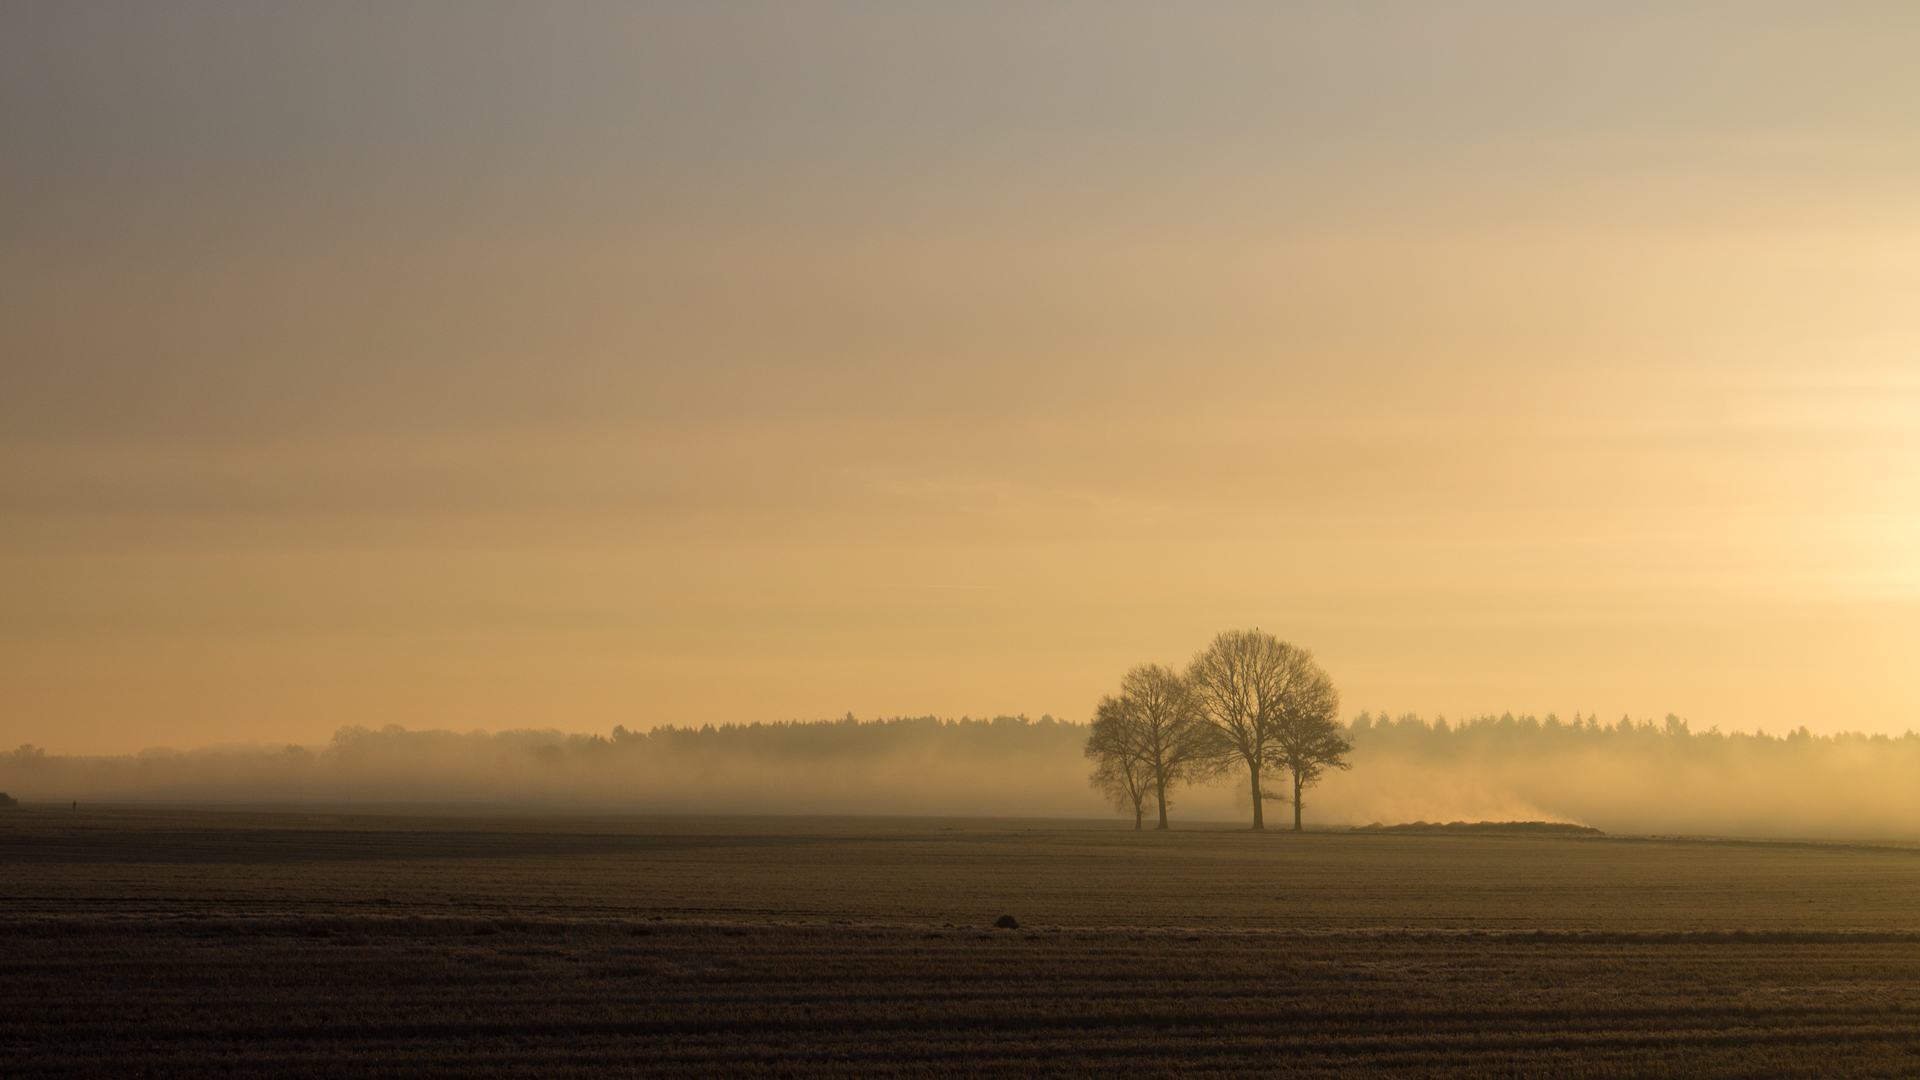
(1159, 712)
(1119, 770)
(1308, 741)
(1245, 686)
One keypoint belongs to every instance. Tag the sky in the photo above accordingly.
(481, 366)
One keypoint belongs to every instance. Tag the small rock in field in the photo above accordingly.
(1007, 922)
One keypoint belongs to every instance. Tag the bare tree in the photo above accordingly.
(1308, 741)
(1159, 712)
(1119, 769)
(1243, 686)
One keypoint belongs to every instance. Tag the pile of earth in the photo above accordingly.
(1556, 828)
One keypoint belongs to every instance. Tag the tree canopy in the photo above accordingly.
(1247, 701)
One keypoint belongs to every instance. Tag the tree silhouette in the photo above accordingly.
(1245, 686)
(1308, 741)
(1119, 770)
(1163, 724)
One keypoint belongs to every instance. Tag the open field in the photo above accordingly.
(241, 943)
(931, 871)
(439, 997)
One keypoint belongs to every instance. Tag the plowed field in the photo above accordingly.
(180, 944)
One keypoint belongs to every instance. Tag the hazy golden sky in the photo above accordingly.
(566, 365)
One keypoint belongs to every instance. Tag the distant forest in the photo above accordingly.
(1622, 776)
(1527, 730)
(1005, 765)
(809, 740)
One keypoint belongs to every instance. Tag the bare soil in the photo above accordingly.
(193, 943)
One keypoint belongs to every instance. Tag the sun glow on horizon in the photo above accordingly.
(670, 365)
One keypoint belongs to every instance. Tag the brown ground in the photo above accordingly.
(183, 943)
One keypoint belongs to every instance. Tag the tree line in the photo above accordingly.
(925, 765)
(848, 736)
(1526, 733)
(1247, 701)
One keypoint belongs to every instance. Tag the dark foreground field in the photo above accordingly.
(150, 943)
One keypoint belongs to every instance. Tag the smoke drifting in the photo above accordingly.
(1624, 777)
(1629, 777)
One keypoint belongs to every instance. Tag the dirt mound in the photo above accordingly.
(1551, 828)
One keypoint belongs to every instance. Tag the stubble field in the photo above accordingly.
(175, 943)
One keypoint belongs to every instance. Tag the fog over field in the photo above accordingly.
(517, 522)
(1625, 777)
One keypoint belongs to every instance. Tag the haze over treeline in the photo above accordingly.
(1629, 776)
(452, 363)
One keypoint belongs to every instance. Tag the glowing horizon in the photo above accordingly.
(467, 367)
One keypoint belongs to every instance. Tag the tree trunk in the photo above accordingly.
(1139, 815)
(1160, 793)
(1259, 819)
(1296, 802)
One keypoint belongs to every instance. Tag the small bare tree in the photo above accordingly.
(1119, 769)
(1244, 685)
(1308, 741)
(1164, 724)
